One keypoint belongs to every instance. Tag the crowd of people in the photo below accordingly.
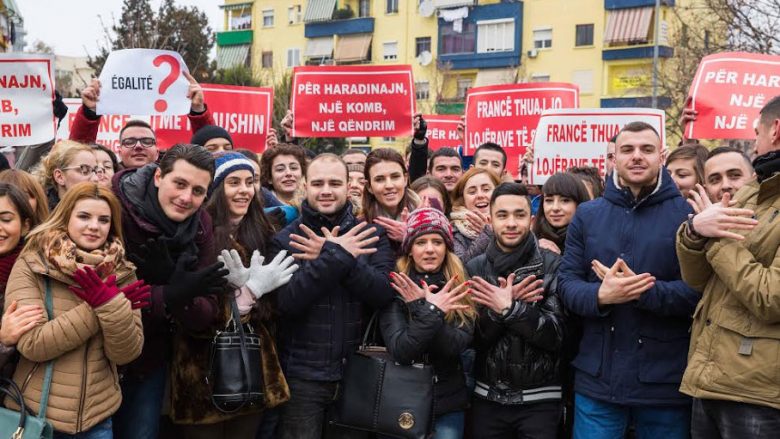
(642, 304)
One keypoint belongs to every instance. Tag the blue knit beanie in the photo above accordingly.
(225, 164)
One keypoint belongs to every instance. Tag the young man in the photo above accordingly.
(354, 156)
(214, 138)
(137, 140)
(520, 327)
(344, 265)
(492, 157)
(731, 254)
(169, 237)
(726, 170)
(621, 276)
(446, 166)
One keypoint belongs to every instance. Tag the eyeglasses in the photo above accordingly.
(86, 170)
(146, 142)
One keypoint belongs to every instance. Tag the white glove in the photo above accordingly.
(238, 274)
(265, 278)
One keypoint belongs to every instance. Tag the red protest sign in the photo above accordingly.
(728, 91)
(508, 114)
(442, 131)
(245, 112)
(352, 101)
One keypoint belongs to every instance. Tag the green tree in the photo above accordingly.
(238, 75)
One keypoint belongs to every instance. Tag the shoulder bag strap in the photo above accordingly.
(242, 337)
(49, 365)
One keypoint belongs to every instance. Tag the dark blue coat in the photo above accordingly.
(633, 353)
(321, 308)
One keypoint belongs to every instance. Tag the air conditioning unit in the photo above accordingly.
(533, 53)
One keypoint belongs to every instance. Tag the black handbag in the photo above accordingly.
(235, 369)
(381, 396)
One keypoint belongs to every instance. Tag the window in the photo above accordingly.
(364, 8)
(540, 77)
(583, 79)
(241, 22)
(543, 38)
(422, 90)
(458, 42)
(390, 50)
(294, 14)
(293, 57)
(391, 7)
(422, 44)
(495, 35)
(584, 35)
(388, 139)
(268, 60)
(463, 87)
(268, 18)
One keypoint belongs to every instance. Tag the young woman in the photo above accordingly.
(432, 190)
(281, 171)
(67, 164)
(32, 189)
(471, 212)
(386, 199)
(686, 165)
(561, 195)
(16, 220)
(432, 319)
(76, 257)
(241, 232)
(107, 160)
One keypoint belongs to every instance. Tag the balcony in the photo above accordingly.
(635, 52)
(625, 4)
(364, 25)
(234, 37)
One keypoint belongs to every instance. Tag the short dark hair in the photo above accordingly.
(509, 189)
(354, 151)
(696, 152)
(637, 127)
(443, 152)
(195, 155)
(730, 149)
(490, 146)
(590, 174)
(137, 123)
(19, 199)
(770, 111)
(267, 160)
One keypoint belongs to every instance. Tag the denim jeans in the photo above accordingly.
(594, 419)
(304, 416)
(100, 431)
(449, 426)
(139, 415)
(713, 419)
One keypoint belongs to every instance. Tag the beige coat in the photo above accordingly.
(735, 339)
(85, 344)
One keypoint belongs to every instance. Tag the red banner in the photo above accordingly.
(442, 131)
(245, 112)
(352, 101)
(728, 91)
(508, 115)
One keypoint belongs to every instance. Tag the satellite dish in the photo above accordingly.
(427, 8)
(425, 58)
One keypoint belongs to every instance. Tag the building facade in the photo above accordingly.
(11, 27)
(604, 46)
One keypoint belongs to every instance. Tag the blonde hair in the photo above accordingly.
(60, 217)
(460, 186)
(452, 266)
(60, 155)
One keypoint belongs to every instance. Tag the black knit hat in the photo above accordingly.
(209, 132)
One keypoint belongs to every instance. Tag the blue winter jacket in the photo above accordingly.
(322, 307)
(633, 353)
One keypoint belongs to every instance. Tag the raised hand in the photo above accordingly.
(265, 278)
(450, 296)
(138, 293)
(93, 290)
(357, 241)
(154, 262)
(396, 230)
(407, 288)
(195, 94)
(271, 140)
(190, 284)
(717, 219)
(91, 94)
(528, 290)
(498, 299)
(477, 220)
(237, 273)
(420, 127)
(310, 245)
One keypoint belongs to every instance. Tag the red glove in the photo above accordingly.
(93, 290)
(138, 294)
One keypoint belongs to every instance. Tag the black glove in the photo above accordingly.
(187, 285)
(277, 217)
(154, 262)
(420, 132)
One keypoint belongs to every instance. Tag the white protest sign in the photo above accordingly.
(567, 138)
(143, 82)
(26, 92)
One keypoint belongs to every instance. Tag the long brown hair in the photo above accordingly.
(460, 186)
(60, 217)
(30, 186)
(371, 207)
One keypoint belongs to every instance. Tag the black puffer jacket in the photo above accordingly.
(518, 356)
(417, 332)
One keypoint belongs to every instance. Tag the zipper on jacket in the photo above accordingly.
(80, 416)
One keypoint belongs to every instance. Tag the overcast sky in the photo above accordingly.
(72, 27)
